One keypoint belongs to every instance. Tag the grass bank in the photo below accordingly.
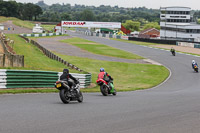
(18, 22)
(127, 76)
(16, 91)
(34, 59)
(48, 27)
(100, 49)
(51, 27)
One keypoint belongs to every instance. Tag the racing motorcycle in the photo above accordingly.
(196, 68)
(106, 87)
(173, 52)
(68, 94)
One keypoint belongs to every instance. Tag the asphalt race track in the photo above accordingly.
(172, 107)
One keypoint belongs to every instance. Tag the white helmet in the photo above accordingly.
(193, 61)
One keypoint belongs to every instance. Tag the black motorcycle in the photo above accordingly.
(68, 94)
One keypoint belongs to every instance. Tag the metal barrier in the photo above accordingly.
(41, 34)
(36, 79)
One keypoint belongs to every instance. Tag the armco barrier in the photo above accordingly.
(36, 79)
(84, 79)
(170, 42)
(41, 34)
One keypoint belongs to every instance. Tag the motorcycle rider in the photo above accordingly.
(66, 77)
(194, 63)
(172, 50)
(105, 76)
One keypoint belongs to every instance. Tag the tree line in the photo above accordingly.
(58, 12)
(24, 11)
(133, 19)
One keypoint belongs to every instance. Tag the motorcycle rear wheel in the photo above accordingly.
(104, 90)
(63, 96)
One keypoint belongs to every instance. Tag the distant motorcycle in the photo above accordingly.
(173, 52)
(196, 68)
(68, 94)
(106, 87)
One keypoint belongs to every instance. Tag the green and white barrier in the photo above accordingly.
(84, 79)
(41, 34)
(36, 79)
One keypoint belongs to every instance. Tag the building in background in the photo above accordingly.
(149, 33)
(37, 29)
(176, 24)
(1, 26)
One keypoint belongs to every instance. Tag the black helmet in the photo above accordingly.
(65, 71)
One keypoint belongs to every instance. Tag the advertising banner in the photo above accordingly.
(91, 24)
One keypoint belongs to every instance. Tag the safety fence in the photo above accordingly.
(36, 79)
(8, 59)
(160, 41)
(41, 34)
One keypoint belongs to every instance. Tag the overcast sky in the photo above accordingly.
(155, 4)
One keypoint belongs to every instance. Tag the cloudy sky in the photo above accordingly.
(155, 4)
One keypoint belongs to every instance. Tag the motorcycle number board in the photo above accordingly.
(58, 85)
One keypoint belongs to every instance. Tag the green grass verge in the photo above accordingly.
(51, 27)
(100, 49)
(16, 91)
(127, 76)
(48, 27)
(34, 59)
(136, 42)
(17, 22)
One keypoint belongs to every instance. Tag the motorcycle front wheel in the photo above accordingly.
(114, 93)
(63, 96)
(80, 98)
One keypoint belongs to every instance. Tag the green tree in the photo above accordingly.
(66, 16)
(131, 25)
(37, 10)
(87, 15)
(198, 21)
(152, 25)
(28, 11)
(9, 8)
